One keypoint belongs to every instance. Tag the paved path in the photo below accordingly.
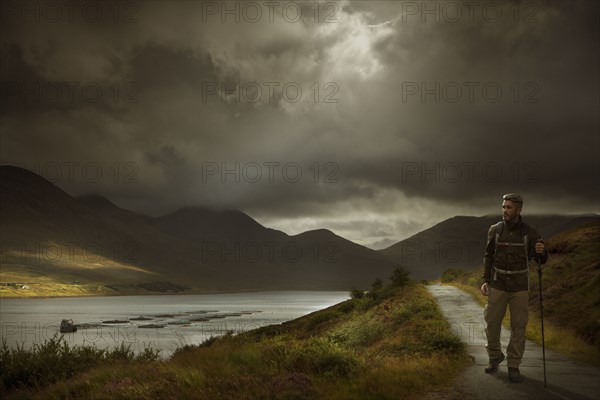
(567, 379)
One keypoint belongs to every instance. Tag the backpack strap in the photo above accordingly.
(499, 230)
(526, 247)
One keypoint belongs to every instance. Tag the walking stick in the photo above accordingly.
(539, 269)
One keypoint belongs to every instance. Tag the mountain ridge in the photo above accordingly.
(208, 249)
(197, 247)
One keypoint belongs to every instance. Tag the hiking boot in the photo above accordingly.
(493, 364)
(514, 375)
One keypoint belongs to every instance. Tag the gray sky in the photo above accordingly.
(373, 119)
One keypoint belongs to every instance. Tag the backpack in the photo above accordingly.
(524, 228)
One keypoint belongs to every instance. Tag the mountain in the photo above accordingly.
(459, 242)
(51, 238)
(197, 224)
(49, 235)
(313, 259)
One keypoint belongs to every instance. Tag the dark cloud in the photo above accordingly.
(375, 126)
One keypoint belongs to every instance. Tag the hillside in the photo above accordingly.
(55, 244)
(52, 240)
(393, 344)
(459, 242)
(572, 281)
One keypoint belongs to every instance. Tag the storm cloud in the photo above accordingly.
(373, 119)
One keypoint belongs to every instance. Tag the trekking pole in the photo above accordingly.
(539, 269)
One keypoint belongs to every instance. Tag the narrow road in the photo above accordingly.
(567, 379)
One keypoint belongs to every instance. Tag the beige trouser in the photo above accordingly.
(494, 314)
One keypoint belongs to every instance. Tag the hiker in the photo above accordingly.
(511, 245)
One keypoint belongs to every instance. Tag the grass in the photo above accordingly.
(40, 289)
(18, 281)
(391, 344)
(55, 360)
(571, 290)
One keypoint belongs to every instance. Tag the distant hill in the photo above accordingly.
(51, 238)
(459, 242)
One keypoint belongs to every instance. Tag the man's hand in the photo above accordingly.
(539, 246)
(485, 290)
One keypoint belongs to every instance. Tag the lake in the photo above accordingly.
(163, 322)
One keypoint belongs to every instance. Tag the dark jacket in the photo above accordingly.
(511, 251)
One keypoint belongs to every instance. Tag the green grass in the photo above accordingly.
(390, 344)
(571, 288)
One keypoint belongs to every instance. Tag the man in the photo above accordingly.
(511, 246)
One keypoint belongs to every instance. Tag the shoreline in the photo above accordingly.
(188, 293)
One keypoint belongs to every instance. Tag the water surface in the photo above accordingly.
(187, 319)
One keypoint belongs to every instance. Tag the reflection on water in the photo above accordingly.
(163, 322)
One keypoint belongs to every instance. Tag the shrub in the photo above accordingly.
(444, 341)
(347, 306)
(451, 274)
(55, 360)
(400, 277)
(378, 284)
(209, 342)
(365, 335)
(357, 293)
(319, 356)
(402, 314)
(366, 303)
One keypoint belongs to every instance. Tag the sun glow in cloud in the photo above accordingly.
(351, 55)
